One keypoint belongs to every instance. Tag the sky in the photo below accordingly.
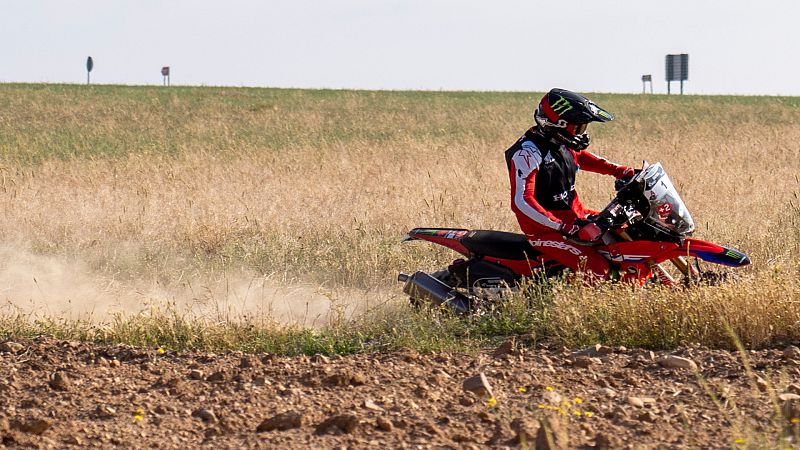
(735, 46)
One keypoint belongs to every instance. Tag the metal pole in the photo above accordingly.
(644, 84)
(88, 80)
(681, 87)
(668, 87)
(651, 87)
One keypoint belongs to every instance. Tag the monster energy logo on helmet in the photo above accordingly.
(561, 106)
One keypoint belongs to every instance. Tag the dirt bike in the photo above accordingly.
(645, 225)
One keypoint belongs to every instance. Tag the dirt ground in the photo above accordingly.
(56, 394)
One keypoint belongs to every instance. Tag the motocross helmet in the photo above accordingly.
(563, 116)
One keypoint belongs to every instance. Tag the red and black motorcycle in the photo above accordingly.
(645, 225)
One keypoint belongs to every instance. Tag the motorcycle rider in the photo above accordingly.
(542, 165)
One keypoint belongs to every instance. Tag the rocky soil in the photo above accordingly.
(56, 394)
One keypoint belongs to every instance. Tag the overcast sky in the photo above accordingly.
(735, 46)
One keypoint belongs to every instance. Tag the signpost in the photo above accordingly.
(647, 79)
(165, 74)
(677, 69)
(89, 66)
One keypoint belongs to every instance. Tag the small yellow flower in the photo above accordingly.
(140, 411)
(542, 407)
(138, 417)
(740, 441)
(588, 414)
(794, 420)
(522, 390)
(549, 388)
(576, 412)
(578, 400)
(161, 351)
(492, 401)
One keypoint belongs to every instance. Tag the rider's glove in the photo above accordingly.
(625, 172)
(585, 232)
(569, 228)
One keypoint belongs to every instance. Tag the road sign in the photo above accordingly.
(89, 67)
(677, 69)
(647, 79)
(165, 74)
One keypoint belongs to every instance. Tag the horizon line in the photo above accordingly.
(391, 90)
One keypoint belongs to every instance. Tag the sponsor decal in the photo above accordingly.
(447, 234)
(616, 256)
(428, 231)
(561, 106)
(634, 258)
(605, 114)
(527, 158)
(734, 254)
(560, 124)
(653, 176)
(530, 154)
(613, 256)
(560, 197)
(556, 244)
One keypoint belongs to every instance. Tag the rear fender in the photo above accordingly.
(446, 237)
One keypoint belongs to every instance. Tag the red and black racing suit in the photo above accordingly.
(543, 197)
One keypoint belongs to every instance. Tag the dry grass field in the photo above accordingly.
(145, 229)
(263, 206)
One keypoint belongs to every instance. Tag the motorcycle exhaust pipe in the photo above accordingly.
(424, 287)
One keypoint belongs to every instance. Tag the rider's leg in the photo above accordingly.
(578, 258)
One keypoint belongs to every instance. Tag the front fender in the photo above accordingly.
(713, 253)
(648, 252)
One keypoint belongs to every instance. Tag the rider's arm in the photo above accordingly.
(524, 166)
(593, 163)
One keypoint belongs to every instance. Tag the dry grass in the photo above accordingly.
(151, 185)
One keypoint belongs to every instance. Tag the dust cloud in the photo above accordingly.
(39, 286)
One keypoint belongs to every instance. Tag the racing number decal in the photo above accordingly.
(664, 210)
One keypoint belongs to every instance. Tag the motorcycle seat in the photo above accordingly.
(499, 244)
